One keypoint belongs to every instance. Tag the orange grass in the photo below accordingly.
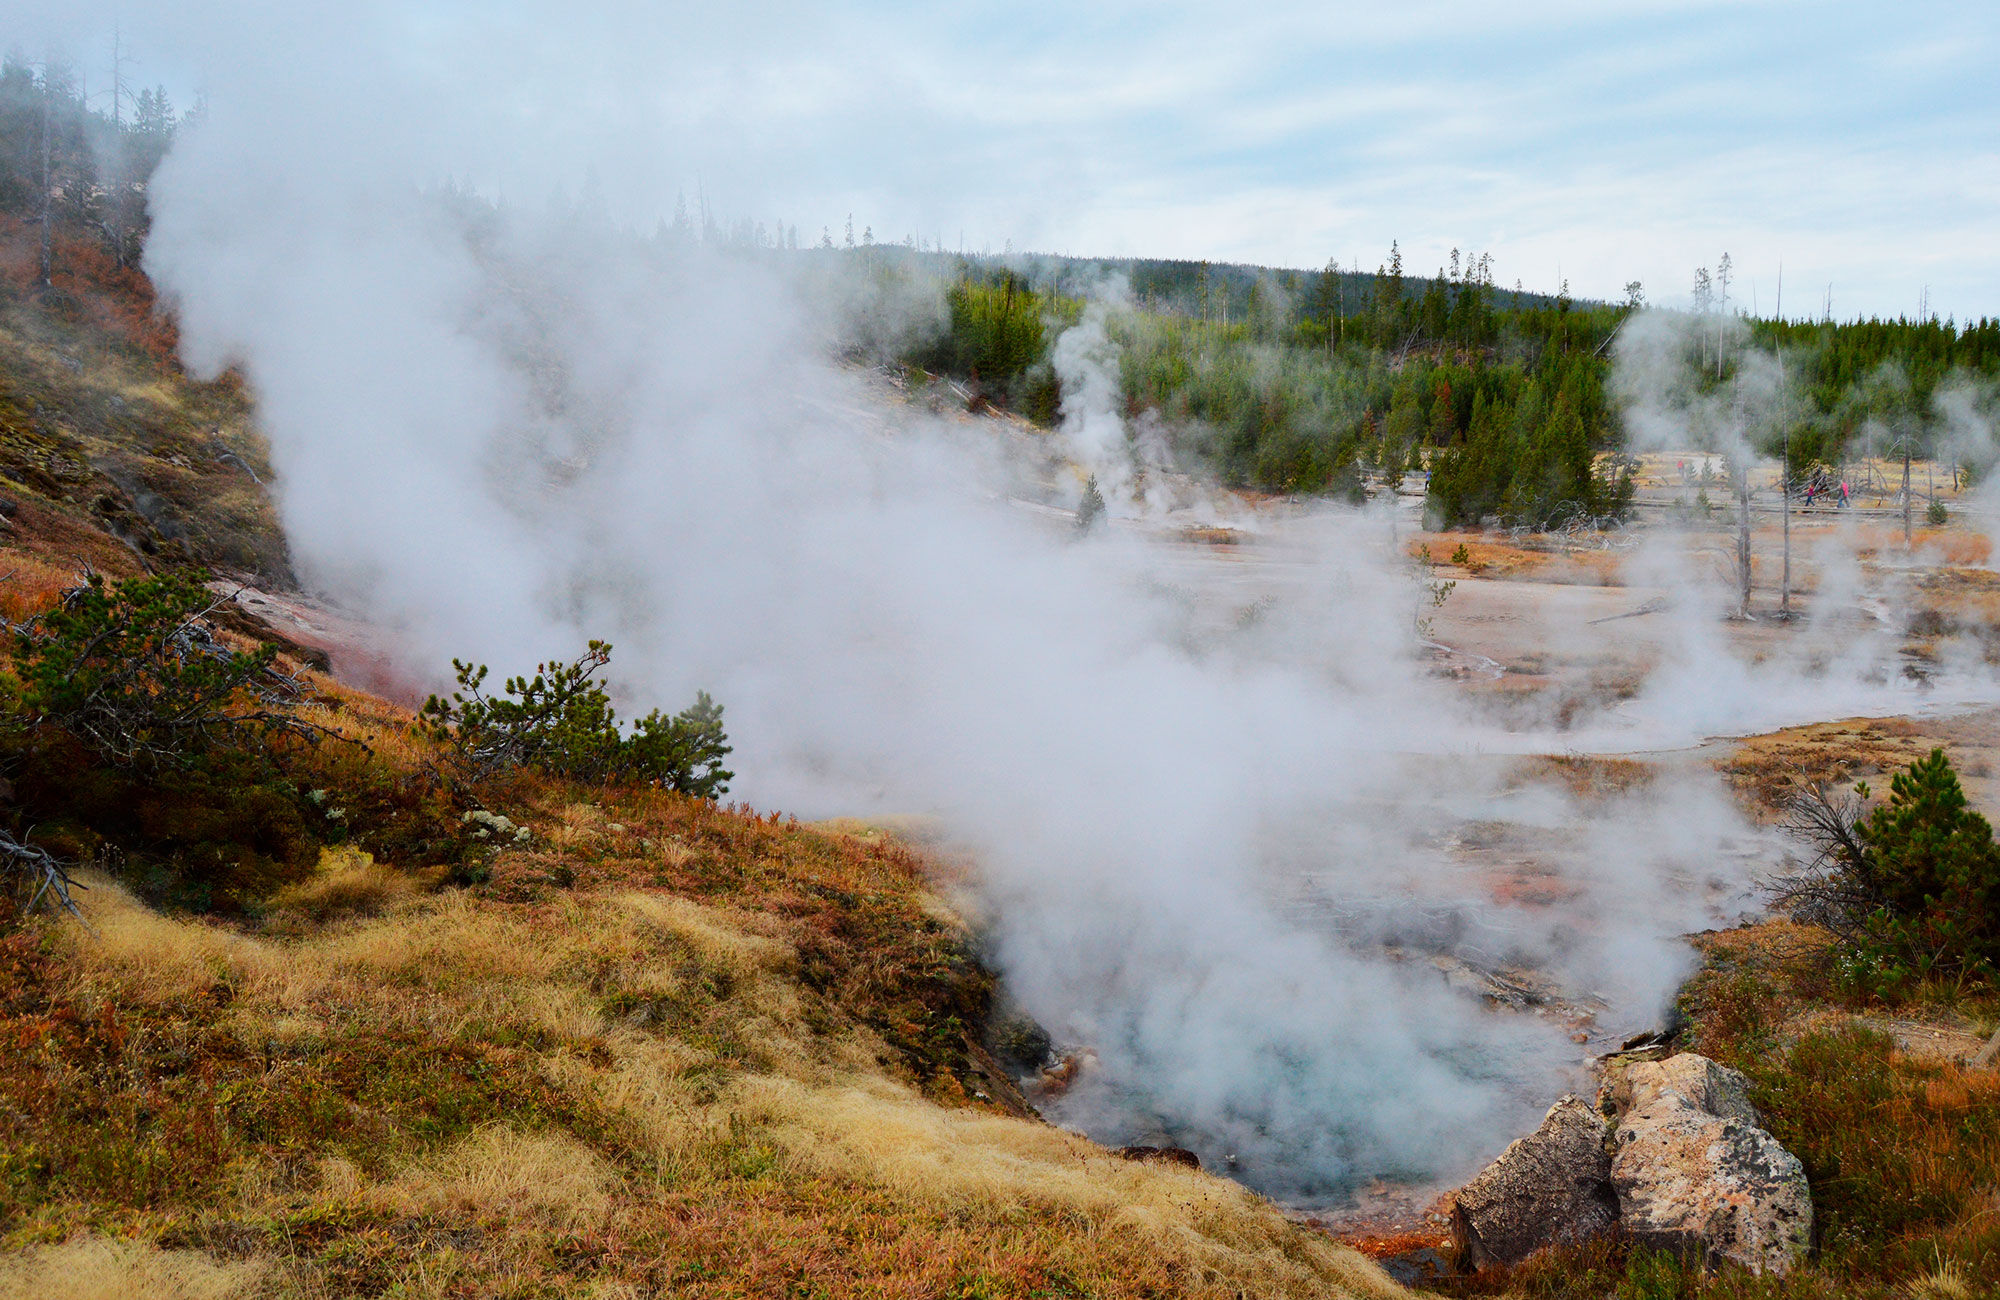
(1487, 557)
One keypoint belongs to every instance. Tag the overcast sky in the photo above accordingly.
(1858, 144)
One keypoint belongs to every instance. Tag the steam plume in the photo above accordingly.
(503, 427)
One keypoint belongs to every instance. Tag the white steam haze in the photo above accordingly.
(1844, 660)
(1132, 461)
(501, 430)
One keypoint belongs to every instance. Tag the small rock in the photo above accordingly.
(1061, 1075)
(1162, 1155)
(1417, 1267)
(1552, 1187)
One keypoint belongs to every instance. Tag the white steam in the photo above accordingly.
(1223, 859)
(1130, 461)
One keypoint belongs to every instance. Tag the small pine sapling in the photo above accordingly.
(1091, 508)
(684, 752)
(1435, 591)
(561, 721)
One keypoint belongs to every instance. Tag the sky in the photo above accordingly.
(1854, 145)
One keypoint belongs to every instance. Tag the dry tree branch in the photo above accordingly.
(1837, 889)
(32, 874)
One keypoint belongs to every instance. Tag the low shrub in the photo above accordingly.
(561, 722)
(133, 737)
(134, 673)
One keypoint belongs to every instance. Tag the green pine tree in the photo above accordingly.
(1934, 870)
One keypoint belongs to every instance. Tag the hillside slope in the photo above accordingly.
(322, 1031)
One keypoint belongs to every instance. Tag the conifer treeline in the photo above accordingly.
(1301, 382)
(998, 335)
(1857, 381)
(1292, 381)
(77, 162)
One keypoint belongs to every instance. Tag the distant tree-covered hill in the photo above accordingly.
(1300, 381)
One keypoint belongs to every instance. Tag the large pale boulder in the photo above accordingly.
(1552, 1187)
(1692, 1170)
(1705, 1085)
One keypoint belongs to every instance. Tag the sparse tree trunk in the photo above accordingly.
(1785, 464)
(48, 179)
(1906, 490)
(117, 169)
(1743, 539)
(1987, 1053)
(1785, 502)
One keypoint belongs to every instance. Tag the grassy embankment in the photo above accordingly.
(1899, 1135)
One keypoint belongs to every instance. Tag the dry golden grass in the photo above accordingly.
(681, 1023)
(969, 1163)
(98, 1268)
(1588, 775)
(1773, 768)
(698, 1043)
(707, 931)
(381, 726)
(1945, 546)
(911, 828)
(348, 883)
(1948, 1281)
(138, 956)
(448, 944)
(547, 1180)
(1769, 944)
(663, 1111)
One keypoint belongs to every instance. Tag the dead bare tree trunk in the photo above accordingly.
(116, 177)
(32, 875)
(1785, 466)
(1743, 537)
(1906, 491)
(1988, 1052)
(48, 178)
(1785, 508)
